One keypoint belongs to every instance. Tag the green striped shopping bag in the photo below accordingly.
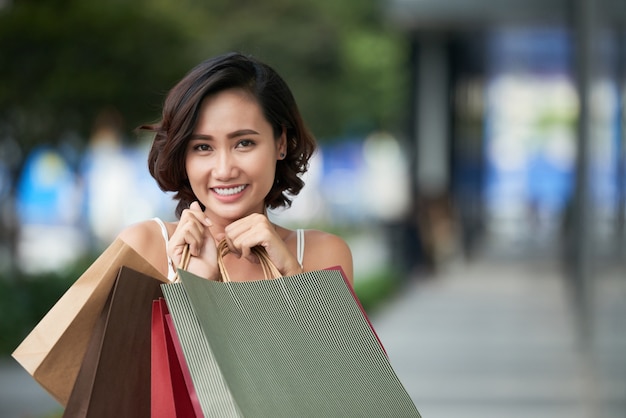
(298, 346)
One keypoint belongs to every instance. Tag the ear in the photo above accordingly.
(281, 146)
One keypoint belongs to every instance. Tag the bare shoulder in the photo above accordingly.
(140, 234)
(147, 239)
(323, 250)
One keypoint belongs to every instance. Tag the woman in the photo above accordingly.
(232, 143)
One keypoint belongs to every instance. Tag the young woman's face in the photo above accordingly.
(231, 156)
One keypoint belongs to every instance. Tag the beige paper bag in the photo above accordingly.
(53, 351)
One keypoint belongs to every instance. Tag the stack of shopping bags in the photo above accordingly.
(124, 342)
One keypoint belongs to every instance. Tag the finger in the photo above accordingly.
(232, 246)
(209, 250)
(253, 258)
(195, 240)
(205, 264)
(249, 232)
(245, 245)
(248, 223)
(189, 232)
(196, 210)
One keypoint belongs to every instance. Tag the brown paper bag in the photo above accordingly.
(114, 378)
(53, 351)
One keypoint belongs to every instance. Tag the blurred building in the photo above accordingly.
(517, 126)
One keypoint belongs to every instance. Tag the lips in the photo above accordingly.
(229, 191)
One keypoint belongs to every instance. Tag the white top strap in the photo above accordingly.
(300, 246)
(171, 271)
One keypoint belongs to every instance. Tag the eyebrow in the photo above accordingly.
(235, 134)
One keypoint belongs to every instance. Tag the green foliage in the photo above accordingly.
(25, 299)
(63, 62)
(23, 304)
(347, 69)
(66, 63)
(375, 289)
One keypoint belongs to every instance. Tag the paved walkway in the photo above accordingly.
(498, 339)
(490, 339)
(21, 396)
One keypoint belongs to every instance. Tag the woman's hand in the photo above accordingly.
(256, 230)
(194, 230)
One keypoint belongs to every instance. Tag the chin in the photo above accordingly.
(231, 215)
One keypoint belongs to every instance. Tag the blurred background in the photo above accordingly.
(471, 152)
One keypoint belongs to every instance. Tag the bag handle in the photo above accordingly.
(184, 262)
(269, 269)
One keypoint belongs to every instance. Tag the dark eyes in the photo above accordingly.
(244, 143)
(203, 147)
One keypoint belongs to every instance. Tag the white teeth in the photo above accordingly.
(228, 191)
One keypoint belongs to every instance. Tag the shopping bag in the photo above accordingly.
(53, 351)
(114, 377)
(286, 347)
(172, 391)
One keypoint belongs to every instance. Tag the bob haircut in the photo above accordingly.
(166, 160)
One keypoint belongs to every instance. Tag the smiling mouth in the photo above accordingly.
(228, 191)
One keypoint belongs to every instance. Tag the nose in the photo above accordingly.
(225, 166)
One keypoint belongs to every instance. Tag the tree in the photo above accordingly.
(346, 67)
(67, 62)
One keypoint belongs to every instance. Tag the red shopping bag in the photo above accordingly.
(172, 391)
